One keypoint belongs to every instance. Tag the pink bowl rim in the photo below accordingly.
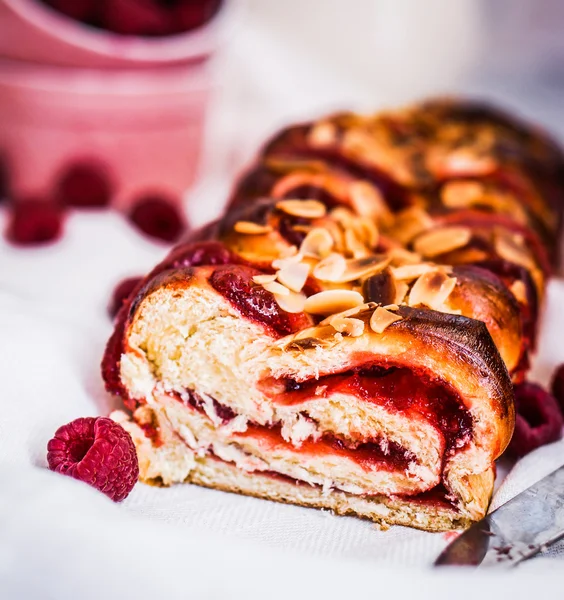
(185, 46)
(166, 80)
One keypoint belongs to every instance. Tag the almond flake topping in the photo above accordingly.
(264, 278)
(318, 243)
(463, 161)
(432, 289)
(366, 200)
(335, 231)
(308, 209)
(367, 232)
(512, 248)
(291, 302)
(343, 216)
(401, 290)
(287, 260)
(351, 312)
(348, 326)
(354, 244)
(442, 240)
(333, 301)
(323, 133)
(276, 288)
(459, 194)
(330, 268)
(382, 318)
(318, 332)
(294, 276)
(359, 268)
(409, 272)
(401, 256)
(519, 290)
(409, 223)
(250, 228)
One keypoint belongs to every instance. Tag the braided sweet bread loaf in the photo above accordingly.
(347, 335)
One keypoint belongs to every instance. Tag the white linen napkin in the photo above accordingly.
(53, 328)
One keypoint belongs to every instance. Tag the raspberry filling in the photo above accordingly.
(368, 455)
(395, 388)
(235, 284)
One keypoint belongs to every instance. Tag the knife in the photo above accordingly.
(515, 531)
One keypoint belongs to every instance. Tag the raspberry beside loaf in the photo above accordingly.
(347, 336)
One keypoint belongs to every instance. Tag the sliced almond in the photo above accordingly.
(294, 276)
(288, 251)
(367, 232)
(288, 260)
(250, 228)
(348, 326)
(322, 134)
(409, 223)
(307, 209)
(465, 162)
(401, 290)
(318, 243)
(519, 290)
(283, 165)
(367, 200)
(382, 318)
(264, 278)
(330, 268)
(409, 272)
(351, 312)
(333, 301)
(359, 268)
(512, 248)
(302, 228)
(291, 302)
(354, 245)
(460, 194)
(318, 332)
(401, 256)
(343, 216)
(336, 232)
(276, 288)
(442, 240)
(431, 289)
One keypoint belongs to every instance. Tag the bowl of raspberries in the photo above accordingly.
(103, 105)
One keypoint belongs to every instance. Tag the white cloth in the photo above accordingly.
(59, 536)
(61, 539)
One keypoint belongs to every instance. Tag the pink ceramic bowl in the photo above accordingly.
(31, 31)
(70, 93)
(146, 126)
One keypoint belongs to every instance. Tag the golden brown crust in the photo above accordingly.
(417, 239)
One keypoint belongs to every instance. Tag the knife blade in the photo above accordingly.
(515, 531)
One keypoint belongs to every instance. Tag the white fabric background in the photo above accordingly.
(61, 539)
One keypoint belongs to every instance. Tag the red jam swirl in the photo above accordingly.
(395, 388)
(235, 284)
(368, 455)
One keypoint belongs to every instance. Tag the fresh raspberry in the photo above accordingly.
(3, 180)
(190, 14)
(136, 17)
(539, 420)
(80, 10)
(34, 222)
(99, 452)
(121, 294)
(557, 386)
(85, 185)
(158, 218)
